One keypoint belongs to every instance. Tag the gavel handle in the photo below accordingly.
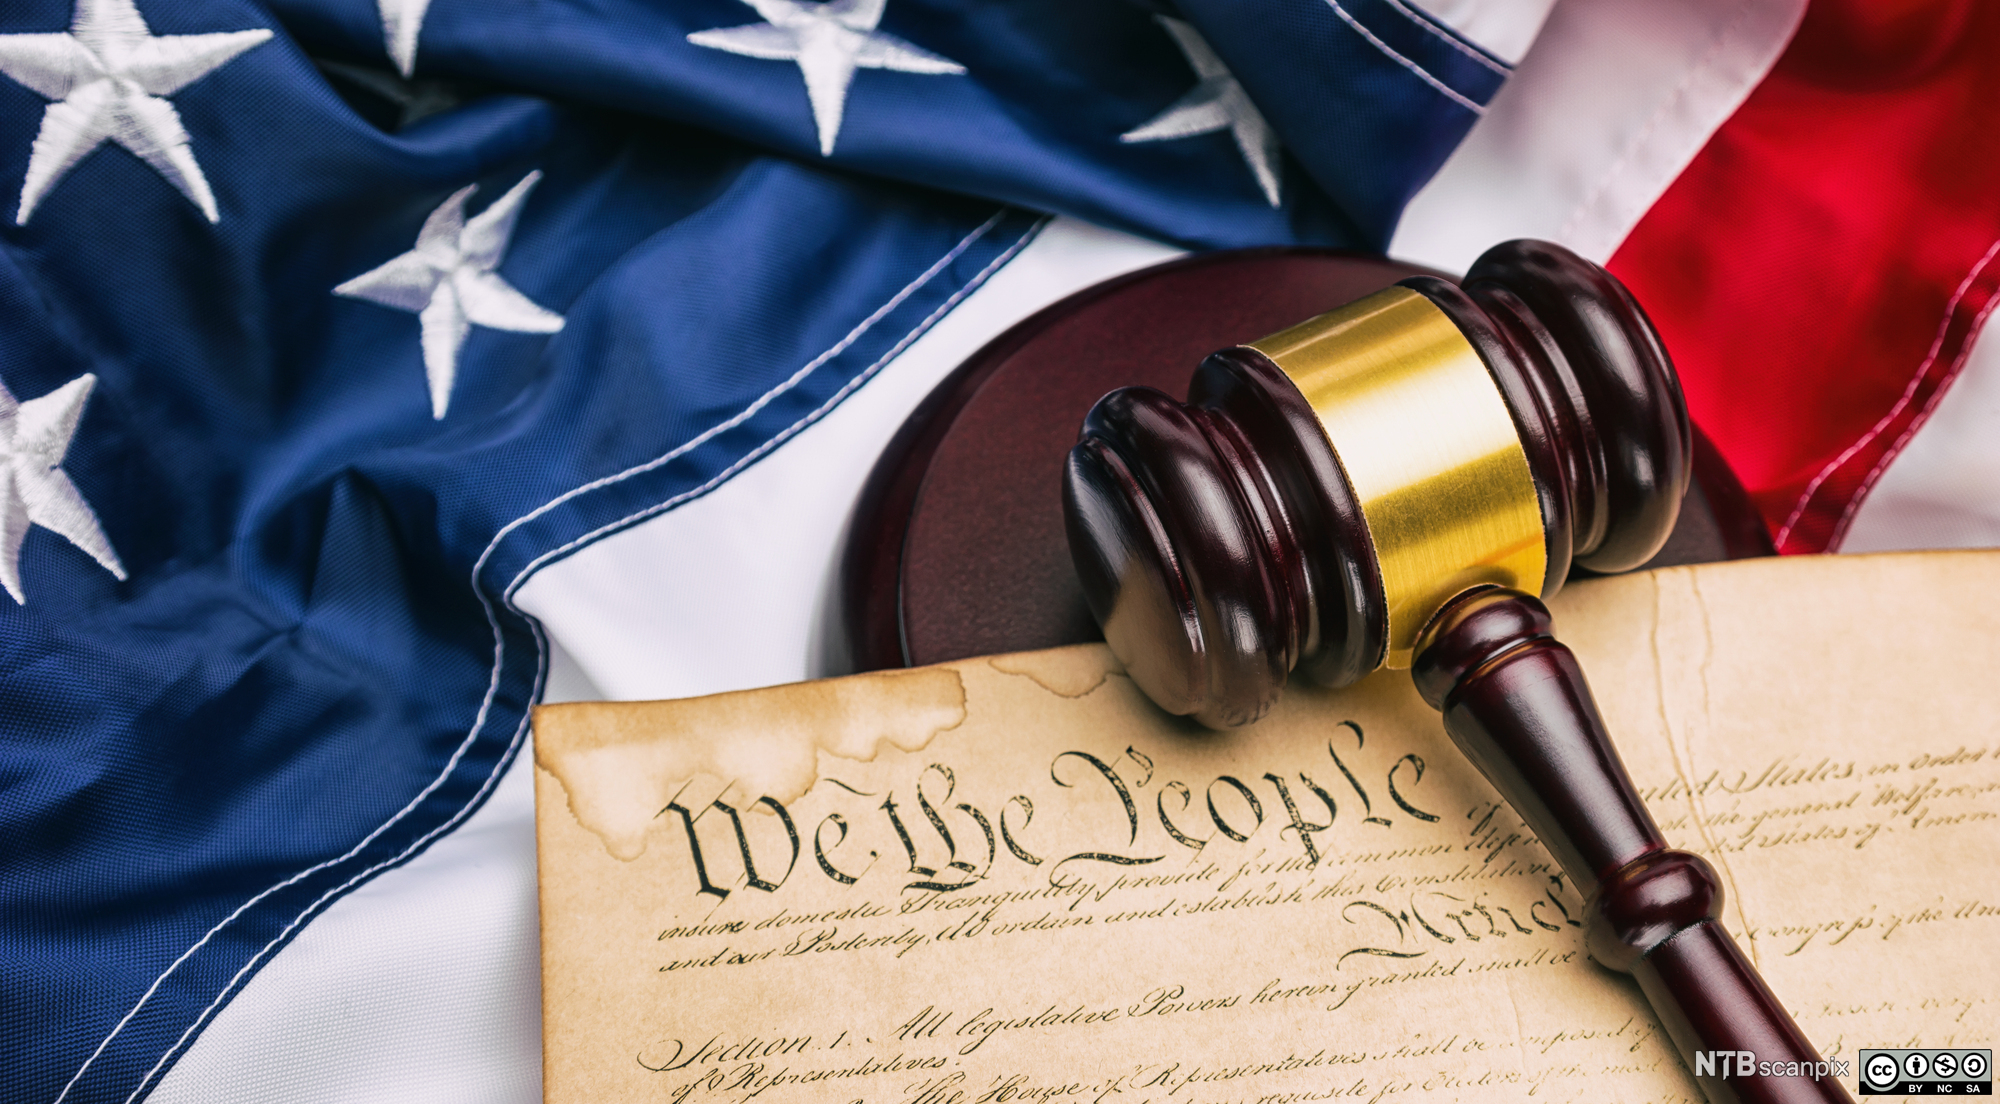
(1515, 701)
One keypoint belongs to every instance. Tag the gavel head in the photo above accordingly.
(1323, 492)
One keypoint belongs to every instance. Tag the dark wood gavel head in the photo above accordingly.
(1392, 484)
(1325, 491)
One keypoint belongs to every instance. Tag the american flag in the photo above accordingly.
(372, 369)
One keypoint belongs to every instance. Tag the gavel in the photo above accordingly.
(1392, 484)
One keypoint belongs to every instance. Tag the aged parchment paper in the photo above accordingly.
(1013, 879)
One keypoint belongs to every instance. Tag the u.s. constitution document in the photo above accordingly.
(1013, 879)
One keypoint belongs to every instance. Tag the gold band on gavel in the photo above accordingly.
(1428, 447)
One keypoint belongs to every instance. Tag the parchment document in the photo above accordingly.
(1013, 879)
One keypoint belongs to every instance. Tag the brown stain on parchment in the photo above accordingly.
(1068, 672)
(621, 763)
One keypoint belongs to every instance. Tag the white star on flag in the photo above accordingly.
(447, 281)
(401, 20)
(108, 75)
(829, 41)
(1217, 103)
(34, 437)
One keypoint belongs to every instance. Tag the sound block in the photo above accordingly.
(957, 546)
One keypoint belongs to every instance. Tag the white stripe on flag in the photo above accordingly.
(1605, 110)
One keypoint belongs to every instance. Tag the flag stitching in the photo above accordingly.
(787, 434)
(1450, 39)
(1909, 392)
(451, 765)
(493, 683)
(1916, 423)
(748, 411)
(1422, 74)
(313, 909)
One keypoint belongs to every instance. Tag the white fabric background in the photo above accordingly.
(423, 985)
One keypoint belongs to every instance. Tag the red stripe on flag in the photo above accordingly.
(1820, 270)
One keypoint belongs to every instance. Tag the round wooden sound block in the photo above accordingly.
(958, 548)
